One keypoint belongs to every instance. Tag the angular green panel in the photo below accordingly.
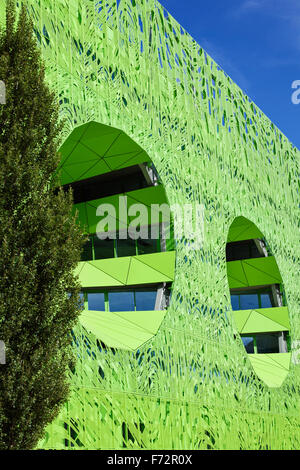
(117, 268)
(240, 318)
(79, 131)
(80, 155)
(67, 148)
(65, 177)
(123, 145)
(123, 161)
(283, 360)
(262, 271)
(144, 269)
(257, 323)
(79, 268)
(149, 321)
(243, 229)
(90, 276)
(118, 330)
(79, 171)
(92, 129)
(95, 168)
(277, 314)
(236, 275)
(148, 196)
(113, 200)
(127, 159)
(271, 372)
(262, 320)
(93, 219)
(162, 262)
(253, 272)
(100, 145)
(113, 150)
(140, 273)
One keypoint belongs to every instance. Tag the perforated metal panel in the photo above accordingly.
(192, 386)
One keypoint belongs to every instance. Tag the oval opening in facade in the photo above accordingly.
(128, 262)
(258, 302)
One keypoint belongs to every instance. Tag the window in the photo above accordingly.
(96, 301)
(103, 249)
(125, 247)
(121, 301)
(235, 302)
(145, 300)
(116, 182)
(252, 299)
(240, 250)
(248, 342)
(95, 248)
(267, 343)
(249, 301)
(126, 300)
(266, 300)
(147, 246)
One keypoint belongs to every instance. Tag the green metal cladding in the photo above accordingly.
(190, 384)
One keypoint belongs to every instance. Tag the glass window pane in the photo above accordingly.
(145, 300)
(248, 301)
(235, 302)
(267, 343)
(126, 247)
(121, 301)
(249, 344)
(147, 246)
(242, 251)
(254, 252)
(103, 249)
(96, 301)
(266, 301)
(87, 251)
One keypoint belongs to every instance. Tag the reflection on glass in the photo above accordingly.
(235, 302)
(249, 301)
(147, 246)
(126, 247)
(87, 251)
(121, 301)
(267, 343)
(266, 301)
(103, 249)
(145, 300)
(96, 302)
(249, 344)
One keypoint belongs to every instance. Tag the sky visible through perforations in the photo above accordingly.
(257, 43)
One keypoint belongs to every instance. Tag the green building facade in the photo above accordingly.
(177, 347)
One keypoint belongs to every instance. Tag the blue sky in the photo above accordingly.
(257, 42)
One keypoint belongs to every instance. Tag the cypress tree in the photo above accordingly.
(40, 244)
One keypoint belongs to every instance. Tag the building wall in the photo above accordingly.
(192, 385)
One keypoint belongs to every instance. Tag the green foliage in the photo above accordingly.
(40, 245)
